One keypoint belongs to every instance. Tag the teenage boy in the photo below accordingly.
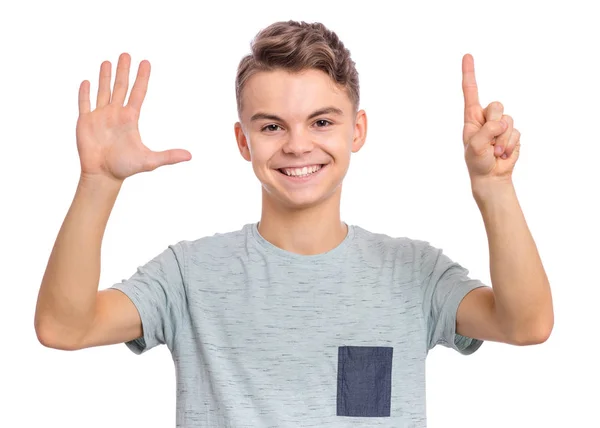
(298, 319)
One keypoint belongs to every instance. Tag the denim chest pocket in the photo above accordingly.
(364, 381)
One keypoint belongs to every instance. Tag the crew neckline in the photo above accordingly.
(280, 252)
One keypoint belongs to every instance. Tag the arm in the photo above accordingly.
(70, 312)
(520, 309)
(69, 306)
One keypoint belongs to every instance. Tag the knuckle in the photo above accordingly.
(493, 126)
(497, 105)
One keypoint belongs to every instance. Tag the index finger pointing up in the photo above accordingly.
(469, 84)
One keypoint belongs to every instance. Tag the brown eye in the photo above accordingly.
(322, 122)
(271, 127)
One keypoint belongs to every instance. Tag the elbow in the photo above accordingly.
(50, 338)
(42, 332)
(44, 337)
(533, 333)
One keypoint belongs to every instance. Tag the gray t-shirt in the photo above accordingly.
(262, 337)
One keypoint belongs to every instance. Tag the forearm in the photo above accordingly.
(67, 296)
(521, 287)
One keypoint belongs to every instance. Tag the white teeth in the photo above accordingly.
(302, 172)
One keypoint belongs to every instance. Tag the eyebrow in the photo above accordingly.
(326, 110)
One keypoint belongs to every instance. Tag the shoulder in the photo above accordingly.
(217, 246)
(381, 245)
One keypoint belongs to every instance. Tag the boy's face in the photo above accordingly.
(299, 131)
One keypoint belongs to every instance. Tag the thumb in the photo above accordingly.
(166, 157)
(482, 139)
(494, 111)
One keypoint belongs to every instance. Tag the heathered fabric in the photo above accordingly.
(265, 338)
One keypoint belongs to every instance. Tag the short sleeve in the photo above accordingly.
(157, 291)
(444, 284)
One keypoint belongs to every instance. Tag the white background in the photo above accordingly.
(539, 60)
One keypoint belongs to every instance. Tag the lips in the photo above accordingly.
(301, 171)
(289, 174)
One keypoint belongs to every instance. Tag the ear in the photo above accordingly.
(242, 141)
(360, 131)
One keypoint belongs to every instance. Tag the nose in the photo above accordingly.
(298, 142)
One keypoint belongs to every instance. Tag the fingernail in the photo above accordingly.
(504, 124)
(504, 156)
(498, 150)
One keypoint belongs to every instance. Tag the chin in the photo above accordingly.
(300, 204)
(300, 199)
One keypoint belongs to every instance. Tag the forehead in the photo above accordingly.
(292, 94)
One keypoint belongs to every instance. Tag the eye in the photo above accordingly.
(270, 128)
(323, 122)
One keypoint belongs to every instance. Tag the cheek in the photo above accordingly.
(261, 151)
(338, 144)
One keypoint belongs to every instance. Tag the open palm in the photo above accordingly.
(108, 138)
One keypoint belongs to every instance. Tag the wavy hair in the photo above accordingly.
(297, 46)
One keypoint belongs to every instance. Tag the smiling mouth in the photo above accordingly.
(301, 172)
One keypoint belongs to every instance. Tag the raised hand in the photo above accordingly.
(491, 142)
(108, 138)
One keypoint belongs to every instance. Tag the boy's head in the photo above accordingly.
(297, 98)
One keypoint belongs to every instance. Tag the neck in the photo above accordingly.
(308, 231)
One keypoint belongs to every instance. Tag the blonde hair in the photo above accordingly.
(298, 46)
